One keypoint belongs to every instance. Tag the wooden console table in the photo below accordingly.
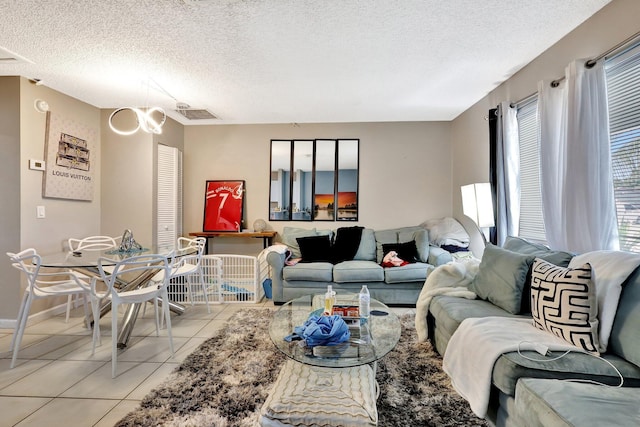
(266, 236)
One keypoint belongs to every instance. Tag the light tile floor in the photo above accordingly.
(56, 381)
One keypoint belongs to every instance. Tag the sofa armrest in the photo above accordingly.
(276, 263)
(438, 256)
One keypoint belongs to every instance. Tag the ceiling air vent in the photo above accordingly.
(194, 113)
(8, 57)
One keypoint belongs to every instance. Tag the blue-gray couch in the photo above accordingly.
(530, 393)
(393, 286)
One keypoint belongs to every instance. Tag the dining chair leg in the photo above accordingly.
(204, 290)
(159, 322)
(88, 311)
(190, 289)
(167, 315)
(114, 338)
(20, 327)
(97, 338)
(69, 303)
(19, 319)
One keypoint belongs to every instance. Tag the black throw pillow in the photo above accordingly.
(406, 251)
(315, 248)
(346, 243)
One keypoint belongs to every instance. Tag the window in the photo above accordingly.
(531, 222)
(623, 90)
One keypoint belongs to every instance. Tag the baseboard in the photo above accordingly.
(35, 317)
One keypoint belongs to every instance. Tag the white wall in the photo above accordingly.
(64, 217)
(10, 190)
(405, 171)
(470, 131)
(22, 187)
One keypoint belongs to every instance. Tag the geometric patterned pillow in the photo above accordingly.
(563, 302)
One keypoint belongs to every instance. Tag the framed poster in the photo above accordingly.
(223, 206)
(69, 154)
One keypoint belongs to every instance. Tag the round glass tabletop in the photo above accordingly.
(369, 342)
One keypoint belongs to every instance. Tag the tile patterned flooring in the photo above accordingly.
(56, 381)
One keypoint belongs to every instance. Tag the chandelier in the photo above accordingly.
(144, 120)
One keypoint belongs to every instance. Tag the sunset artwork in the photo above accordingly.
(324, 200)
(348, 205)
(347, 199)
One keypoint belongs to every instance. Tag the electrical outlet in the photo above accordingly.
(40, 212)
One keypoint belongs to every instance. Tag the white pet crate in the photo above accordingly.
(228, 279)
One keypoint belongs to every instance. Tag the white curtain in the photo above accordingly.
(575, 162)
(508, 174)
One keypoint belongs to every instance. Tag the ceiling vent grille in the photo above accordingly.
(197, 114)
(8, 57)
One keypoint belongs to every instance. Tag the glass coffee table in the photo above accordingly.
(329, 385)
(370, 340)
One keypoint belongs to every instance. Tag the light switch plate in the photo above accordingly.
(36, 165)
(40, 212)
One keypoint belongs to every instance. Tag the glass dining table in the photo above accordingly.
(86, 262)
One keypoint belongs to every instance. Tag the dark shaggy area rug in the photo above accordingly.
(225, 381)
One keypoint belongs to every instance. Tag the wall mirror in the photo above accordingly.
(280, 180)
(314, 180)
(325, 180)
(302, 186)
(347, 180)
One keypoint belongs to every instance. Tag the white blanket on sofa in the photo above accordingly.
(476, 345)
(448, 279)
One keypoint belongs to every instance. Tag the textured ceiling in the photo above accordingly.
(283, 61)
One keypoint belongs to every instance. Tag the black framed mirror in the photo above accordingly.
(279, 193)
(314, 180)
(302, 177)
(324, 191)
(348, 160)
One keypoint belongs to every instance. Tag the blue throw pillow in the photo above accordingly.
(501, 277)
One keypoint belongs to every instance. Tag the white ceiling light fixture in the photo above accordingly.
(41, 105)
(144, 120)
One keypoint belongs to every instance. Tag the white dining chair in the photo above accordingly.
(189, 266)
(42, 283)
(113, 273)
(91, 243)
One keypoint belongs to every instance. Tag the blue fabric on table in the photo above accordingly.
(322, 330)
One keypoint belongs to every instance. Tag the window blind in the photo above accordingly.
(531, 220)
(623, 91)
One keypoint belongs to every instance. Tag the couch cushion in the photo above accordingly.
(421, 237)
(522, 246)
(415, 272)
(511, 367)
(610, 270)
(367, 248)
(501, 277)
(289, 236)
(313, 271)
(449, 312)
(357, 271)
(624, 339)
(563, 303)
(559, 403)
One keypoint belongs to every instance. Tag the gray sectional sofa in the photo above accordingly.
(531, 393)
(392, 285)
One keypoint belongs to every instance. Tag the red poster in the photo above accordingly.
(223, 205)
